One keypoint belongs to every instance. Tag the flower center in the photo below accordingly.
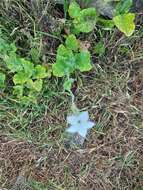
(79, 122)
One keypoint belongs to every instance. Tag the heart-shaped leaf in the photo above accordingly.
(125, 23)
(71, 42)
(35, 85)
(20, 78)
(65, 62)
(86, 20)
(13, 63)
(40, 72)
(83, 61)
(28, 67)
(74, 10)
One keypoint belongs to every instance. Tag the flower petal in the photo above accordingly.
(72, 129)
(83, 128)
(72, 119)
(89, 124)
(83, 132)
(83, 116)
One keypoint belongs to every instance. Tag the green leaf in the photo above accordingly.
(35, 85)
(65, 62)
(123, 7)
(20, 78)
(68, 84)
(86, 20)
(18, 90)
(40, 72)
(125, 23)
(83, 61)
(28, 67)
(6, 48)
(2, 80)
(71, 42)
(74, 10)
(13, 63)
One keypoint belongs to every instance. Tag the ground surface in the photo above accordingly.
(32, 155)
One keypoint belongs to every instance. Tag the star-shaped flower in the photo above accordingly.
(79, 123)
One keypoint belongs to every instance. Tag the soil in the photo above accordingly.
(112, 155)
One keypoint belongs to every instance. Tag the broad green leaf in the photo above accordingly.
(71, 42)
(125, 23)
(74, 10)
(40, 72)
(6, 48)
(20, 78)
(83, 61)
(2, 80)
(35, 85)
(13, 63)
(28, 67)
(68, 84)
(18, 90)
(86, 20)
(123, 7)
(65, 62)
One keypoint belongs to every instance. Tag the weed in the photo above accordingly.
(87, 60)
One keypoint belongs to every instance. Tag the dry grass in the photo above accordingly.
(32, 154)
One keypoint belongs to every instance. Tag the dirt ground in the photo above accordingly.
(112, 155)
(110, 159)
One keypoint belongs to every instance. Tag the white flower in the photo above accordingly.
(79, 123)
